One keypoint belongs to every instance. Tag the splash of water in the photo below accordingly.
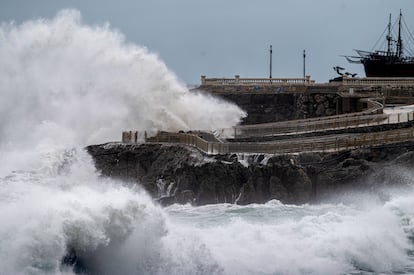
(373, 238)
(63, 85)
(64, 219)
(69, 81)
(67, 84)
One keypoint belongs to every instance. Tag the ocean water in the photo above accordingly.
(65, 85)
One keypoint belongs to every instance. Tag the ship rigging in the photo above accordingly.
(396, 60)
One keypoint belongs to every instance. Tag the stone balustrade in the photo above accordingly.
(378, 81)
(346, 81)
(237, 80)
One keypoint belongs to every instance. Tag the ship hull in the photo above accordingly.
(379, 68)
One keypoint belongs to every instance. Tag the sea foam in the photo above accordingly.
(64, 85)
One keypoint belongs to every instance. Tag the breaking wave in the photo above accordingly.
(64, 85)
(86, 84)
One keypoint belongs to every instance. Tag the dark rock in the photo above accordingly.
(406, 159)
(276, 189)
(178, 174)
(166, 200)
(185, 196)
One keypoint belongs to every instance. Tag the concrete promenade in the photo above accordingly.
(294, 144)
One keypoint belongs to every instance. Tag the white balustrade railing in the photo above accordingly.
(346, 81)
(378, 81)
(237, 80)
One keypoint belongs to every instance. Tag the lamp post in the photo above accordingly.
(270, 61)
(304, 63)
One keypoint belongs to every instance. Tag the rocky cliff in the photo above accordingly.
(179, 174)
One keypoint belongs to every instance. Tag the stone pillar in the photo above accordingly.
(237, 78)
(126, 136)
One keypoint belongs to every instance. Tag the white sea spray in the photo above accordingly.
(87, 84)
(64, 85)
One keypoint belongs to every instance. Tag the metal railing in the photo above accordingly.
(314, 126)
(332, 143)
(312, 144)
(373, 115)
(318, 144)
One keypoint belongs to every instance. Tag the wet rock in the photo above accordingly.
(406, 159)
(178, 174)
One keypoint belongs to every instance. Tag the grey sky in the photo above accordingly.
(220, 38)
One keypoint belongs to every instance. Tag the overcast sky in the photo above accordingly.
(222, 38)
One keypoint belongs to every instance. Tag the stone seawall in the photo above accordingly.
(264, 108)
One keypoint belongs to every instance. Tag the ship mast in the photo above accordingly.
(399, 40)
(389, 37)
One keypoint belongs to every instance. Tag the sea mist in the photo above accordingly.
(64, 85)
